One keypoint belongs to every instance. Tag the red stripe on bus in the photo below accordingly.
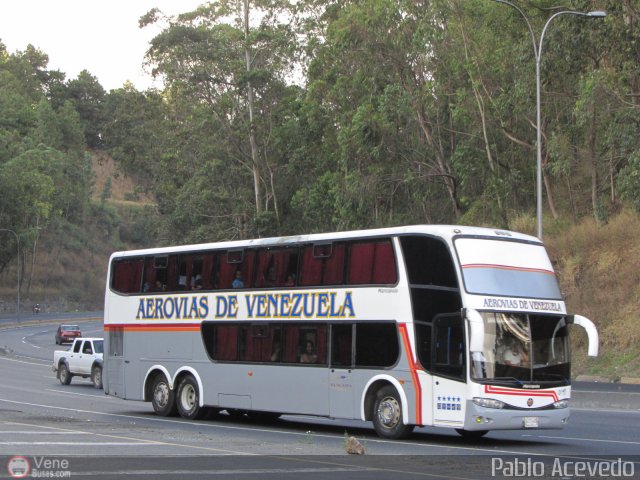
(521, 393)
(508, 267)
(155, 327)
(414, 371)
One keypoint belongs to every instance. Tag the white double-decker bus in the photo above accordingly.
(444, 326)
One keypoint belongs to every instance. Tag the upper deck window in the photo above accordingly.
(506, 268)
(127, 275)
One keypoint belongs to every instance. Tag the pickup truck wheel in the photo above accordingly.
(96, 376)
(64, 374)
(188, 399)
(163, 397)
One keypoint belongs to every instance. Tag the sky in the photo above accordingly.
(102, 37)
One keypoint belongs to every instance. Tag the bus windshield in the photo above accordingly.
(506, 268)
(522, 348)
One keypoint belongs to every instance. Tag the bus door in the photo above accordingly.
(448, 368)
(341, 381)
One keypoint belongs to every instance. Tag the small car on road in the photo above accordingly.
(67, 334)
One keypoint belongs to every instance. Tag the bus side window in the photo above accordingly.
(322, 264)
(276, 267)
(341, 345)
(448, 347)
(126, 276)
(377, 344)
(372, 262)
(423, 336)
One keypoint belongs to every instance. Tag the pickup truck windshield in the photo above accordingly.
(99, 346)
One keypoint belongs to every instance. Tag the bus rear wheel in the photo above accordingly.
(188, 399)
(163, 397)
(387, 414)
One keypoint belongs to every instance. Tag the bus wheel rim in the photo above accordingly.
(161, 394)
(188, 397)
(389, 412)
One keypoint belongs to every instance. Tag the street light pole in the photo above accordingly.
(537, 50)
(18, 243)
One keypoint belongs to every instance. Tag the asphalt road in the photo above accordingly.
(105, 437)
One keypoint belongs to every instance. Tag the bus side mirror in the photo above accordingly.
(476, 330)
(592, 333)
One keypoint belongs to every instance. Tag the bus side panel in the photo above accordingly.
(282, 389)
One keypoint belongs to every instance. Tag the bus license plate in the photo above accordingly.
(531, 422)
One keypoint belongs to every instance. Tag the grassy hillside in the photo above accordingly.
(599, 273)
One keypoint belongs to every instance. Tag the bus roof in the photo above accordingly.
(446, 232)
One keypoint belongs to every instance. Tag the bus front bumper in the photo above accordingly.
(482, 418)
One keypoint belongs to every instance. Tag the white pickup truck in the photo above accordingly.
(83, 359)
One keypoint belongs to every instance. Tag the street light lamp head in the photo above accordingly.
(597, 14)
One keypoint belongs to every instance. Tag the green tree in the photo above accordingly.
(236, 69)
(87, 95)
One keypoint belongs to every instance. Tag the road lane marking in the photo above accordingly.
(27, 342)
(584, 439)
(106, 397)
(28, 363)
(122, 437)
(29, 432)
(79, 444)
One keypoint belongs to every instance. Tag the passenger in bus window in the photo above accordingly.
(270, 279)
(277, 352)
(291, 280)
(238, 282)
(309, 354)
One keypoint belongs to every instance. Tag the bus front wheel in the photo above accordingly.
(163, 397)
(387, 414)
(188, 399)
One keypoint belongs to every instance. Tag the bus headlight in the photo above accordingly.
(561, 404)
(488, 402)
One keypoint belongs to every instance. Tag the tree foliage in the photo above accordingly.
(282, 117)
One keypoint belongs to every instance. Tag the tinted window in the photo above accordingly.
(341, 345)
(266, 343)
(322, 264)
(448, 346)
(126, 275)
(428, 261)
(376, 344)
(277, 267)
(371, 262)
